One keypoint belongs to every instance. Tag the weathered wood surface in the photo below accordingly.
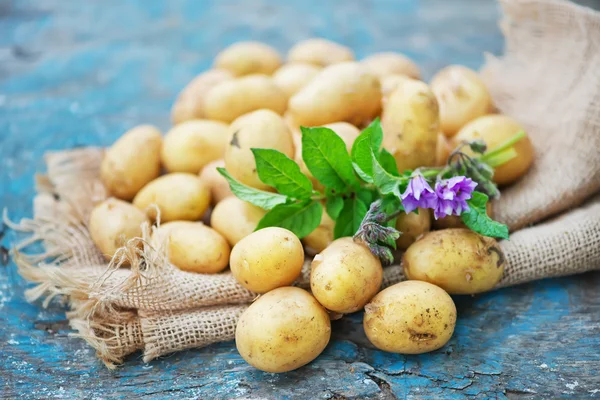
(80, 73)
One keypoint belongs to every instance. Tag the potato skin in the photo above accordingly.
(282, 330)
(293, 77)
(345, 276)
(389, 83)
(459, 261)
(390, 63)
(320, 238)
(443, 150)
(217, 184)
(412, 227)
(131, 162)
(235, 219)
(319, 52)
(178, 196)
(410, 317)
(267, 259)
(244, 58)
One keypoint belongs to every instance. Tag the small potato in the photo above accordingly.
(235, 219)
(319, 52)
(189, 146)
(345, 276)
(459, 261)
(112, 223)
(258, 129)
(452, 221)
(412, 227)
(321, 237)
(390, 63)
(341, 92)
(178, 196)
(219, 188)
(495, 130)
(410, 317)
(231, 99)
(389, 83)
(267, 259)
(443, 150)
(131, 162)
(244, 58)
(293, 77)
(410, 123)
(282, 330)
(462, 97)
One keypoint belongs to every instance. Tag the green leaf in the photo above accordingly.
(388, 162)
(334, 206)
(349, 220)
(367, 195)
(477, 219)
(362, 174)
(300, 218)
(385, 182)
(278, 170)
(369, 140)
(260, 198)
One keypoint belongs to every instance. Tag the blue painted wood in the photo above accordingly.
(81, 73)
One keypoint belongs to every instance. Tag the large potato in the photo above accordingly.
(293, 77)
(389, 83)
(412, 227)
(178, 196)
(320, 238)
(341, 92)
(459, 261)
(345, 276)
(218, 185)
(231, 99)
(235, 219)
(267, 259)
(319, 52)
(189, 146)
(131, 162)
(410, 123)
(390, 63)
(410, 317)
(282, 330)
(244, 58)
(443, 150)
(112, 223)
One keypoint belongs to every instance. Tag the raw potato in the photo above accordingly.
(453, 221)
(459, 261)
(282, 330)
(193, 246)
(462, 96)
(112, 223)
(293, 77)
(244, 58)
(267, 259)
(178, 196)
(389, 83)
(235, 219)
(410, 123)
(321, 237)
(189, 146)
(231, 99)
(345, 276)
(410, 317)
(341, 92)
(131, 162)
(319, 52)
(494, 130)
(390, 63)
(258, 129)
(412, 227)
(219, 188)
(443, 150)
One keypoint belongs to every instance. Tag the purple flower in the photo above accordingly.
(418, 194)
(452, 195)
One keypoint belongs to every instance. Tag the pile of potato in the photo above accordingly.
(252, 99)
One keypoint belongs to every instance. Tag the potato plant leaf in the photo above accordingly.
(477, 219)
(350, 217)
(369, 140)
(386, 182)
(334, 205)
(388, 162)
(300, 218)
(260, 198)
(278, 170)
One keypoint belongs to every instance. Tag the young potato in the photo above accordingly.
(178, 196)
(219, 188)
(112, 223)
(193, 246)
(293, 77)
(410, 123)
(443, 150)
(345, 276)
(389, 83)
(390, 63)
(462, 97)
(412, 227)
(244, 58)
(258, 129)
(267, 259)
(131, 162)
(494, 130)
(319, 52)
(190, 101)
(282, 330)
(321, 237)
(231, 99)
(189, 146)
(341, 92)
(235, 219)
(452, 221)
(410, 317)
(459, 261)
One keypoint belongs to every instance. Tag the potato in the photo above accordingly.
(258, 129)
(345, 276)
(410, 317)
(462, 97)
(389, 83)
(412, 227)
(282, 330)
(189, 146)
(217, 184)
(293, 77)
(442, 150)
(244, 58)
(410, 123)
(267, 259)
(340, 92)
(319, 52)
(178, 196)
(321, 237)
(390, 63)
(494, 130)
(190, 101)
(231, 99)
(459, 261)
(193, 246)
(235, 219)
(131, 162)
(453, 221)
(112, 223)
